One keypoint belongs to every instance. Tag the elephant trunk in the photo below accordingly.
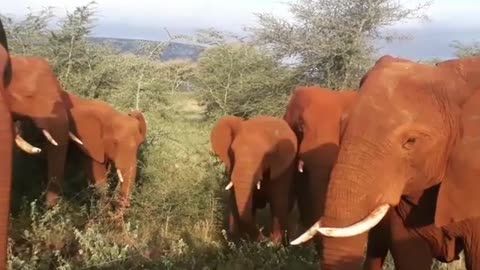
(343, 253)
(6, 137)
(126, 175)
(243, 179)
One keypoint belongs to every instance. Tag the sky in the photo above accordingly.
(146, 19)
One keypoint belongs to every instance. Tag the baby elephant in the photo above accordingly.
(259, 155)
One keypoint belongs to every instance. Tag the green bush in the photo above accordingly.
(238, 79)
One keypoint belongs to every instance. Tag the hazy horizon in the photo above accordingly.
(450, 20)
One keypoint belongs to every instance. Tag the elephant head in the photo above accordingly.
(397, 141)
(6, 152)
(221, 138)
(315, 115)
(111, 136)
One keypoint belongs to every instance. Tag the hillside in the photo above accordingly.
(174, 50)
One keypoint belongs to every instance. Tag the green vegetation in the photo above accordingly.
(179, 205)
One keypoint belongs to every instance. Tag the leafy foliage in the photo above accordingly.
(466, 50)
(237, 79)
(331, 40)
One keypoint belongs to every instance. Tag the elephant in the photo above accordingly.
(315, 115)
(109, 138)
(426, 136)
(6, 147)
(260, 154)
(34, 94)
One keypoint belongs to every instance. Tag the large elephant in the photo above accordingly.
(6, 146)
(260, 153)
(109, 138)
(408, 231)
(403, 135)
(34, 94)
(315, 115)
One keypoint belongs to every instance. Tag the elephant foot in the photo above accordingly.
(52, 199)
(278, 238)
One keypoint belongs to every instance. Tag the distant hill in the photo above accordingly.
(174, 49)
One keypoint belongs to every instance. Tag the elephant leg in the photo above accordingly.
(56, 156)
(378, 245)
(99, 176)
(409, 250)
(471, 241)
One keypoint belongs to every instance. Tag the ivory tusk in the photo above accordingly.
(75, 138)
(309, 234)
(25, 146)
(120, 177)
(360, 227)
(49, 137)
(300, 166)
(355, 229)
(229, 186)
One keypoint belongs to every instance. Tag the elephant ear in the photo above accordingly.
(141, 122)
(222, 136)
(89, 130)
(458, 197)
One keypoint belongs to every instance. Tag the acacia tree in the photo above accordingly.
(466, 50)
(238, 79)
(332, 41)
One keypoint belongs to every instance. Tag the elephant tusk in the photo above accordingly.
(120, 177)
(355, 229)
(25, 146)
(360, 227)
(300, 166)
(229, 186)
(309, 234)
(49, 137)
(258, 185)
(75, 138)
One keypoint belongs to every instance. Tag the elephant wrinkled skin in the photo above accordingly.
(260, 155)
(405, 133)
(109, 138)
(315, 115)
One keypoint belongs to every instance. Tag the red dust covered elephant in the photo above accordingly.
(35, 95)
(6, 145)
(259, 155)
(412, 128)
(315, 115)
(109, 137)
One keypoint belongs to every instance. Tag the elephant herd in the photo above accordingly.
(390, 167)
(31, 95)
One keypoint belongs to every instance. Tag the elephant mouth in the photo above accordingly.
(360, 227)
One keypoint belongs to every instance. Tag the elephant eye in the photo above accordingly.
(409, 143)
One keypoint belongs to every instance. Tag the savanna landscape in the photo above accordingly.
(178, 213)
